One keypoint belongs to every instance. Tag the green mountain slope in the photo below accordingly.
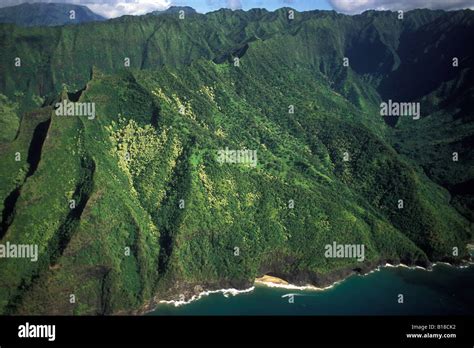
(157, 216)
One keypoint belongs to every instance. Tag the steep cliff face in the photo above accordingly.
(235, 144)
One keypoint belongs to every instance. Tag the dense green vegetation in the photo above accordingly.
(156, 215)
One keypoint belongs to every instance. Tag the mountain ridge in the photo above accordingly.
(47, 14)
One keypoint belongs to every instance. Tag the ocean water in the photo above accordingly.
(445, 290)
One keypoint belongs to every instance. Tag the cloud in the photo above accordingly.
(108, 8)
(234, 4)
(128, 7)
(358, 6)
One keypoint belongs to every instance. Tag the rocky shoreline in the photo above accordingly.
(183, 293)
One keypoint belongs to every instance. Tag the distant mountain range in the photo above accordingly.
(47, 14)
(54, 14)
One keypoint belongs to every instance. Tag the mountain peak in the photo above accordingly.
(47, 14)
(176, 9)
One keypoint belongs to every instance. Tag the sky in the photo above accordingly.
(116, 8)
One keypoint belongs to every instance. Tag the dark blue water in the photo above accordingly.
(445, 290)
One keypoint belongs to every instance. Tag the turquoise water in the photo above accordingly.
(445, 290)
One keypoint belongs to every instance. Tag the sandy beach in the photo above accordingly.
(266, 279)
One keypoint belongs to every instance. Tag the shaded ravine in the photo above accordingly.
(60, 240)
(33, 159)
(177, 189)
(58, 243)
